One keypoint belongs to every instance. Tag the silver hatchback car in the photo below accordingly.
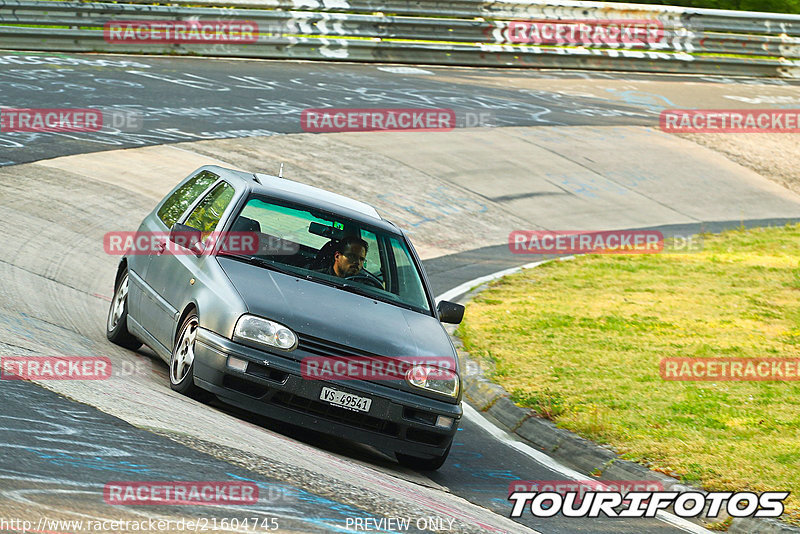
(296, 303)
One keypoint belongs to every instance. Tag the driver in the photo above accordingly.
(348, 257)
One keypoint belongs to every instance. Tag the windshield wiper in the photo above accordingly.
(357, 290)
(261, 262)
(344, 286)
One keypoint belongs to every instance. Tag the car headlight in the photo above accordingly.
(438, 379)
(265, 332)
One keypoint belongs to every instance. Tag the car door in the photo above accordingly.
(144, 303)
(171, 273)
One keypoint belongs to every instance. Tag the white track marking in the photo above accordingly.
(466, 286)
(502, 436)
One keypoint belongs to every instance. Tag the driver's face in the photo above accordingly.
(349, 263)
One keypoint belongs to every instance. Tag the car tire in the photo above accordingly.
(181, 362)
(423, 464)
(117, 321)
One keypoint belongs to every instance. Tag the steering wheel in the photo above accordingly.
(366, 277)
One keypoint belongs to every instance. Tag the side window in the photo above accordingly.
(181, 199)
(208, 212)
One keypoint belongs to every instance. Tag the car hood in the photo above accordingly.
(327, 313)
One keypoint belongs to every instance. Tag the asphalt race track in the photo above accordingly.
(184, 100)
(560, 151)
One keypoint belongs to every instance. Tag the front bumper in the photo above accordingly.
(398, 421)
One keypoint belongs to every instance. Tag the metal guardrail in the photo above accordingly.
(452, 32)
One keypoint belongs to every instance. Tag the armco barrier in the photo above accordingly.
(454, 32)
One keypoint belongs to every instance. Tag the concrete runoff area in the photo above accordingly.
(454, 192)
(463, 190)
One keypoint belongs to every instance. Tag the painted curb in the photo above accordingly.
(566, 447)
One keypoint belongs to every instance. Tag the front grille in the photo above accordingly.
(333, 352)
(321, 347)
(333, 413)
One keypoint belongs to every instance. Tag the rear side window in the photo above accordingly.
(180, 200)
(207, 214)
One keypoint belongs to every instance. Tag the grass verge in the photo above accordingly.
(581, 342)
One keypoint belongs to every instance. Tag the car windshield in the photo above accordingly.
(305, 241)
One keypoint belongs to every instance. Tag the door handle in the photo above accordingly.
(160, 248)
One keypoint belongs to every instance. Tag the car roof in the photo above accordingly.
(308, 195)
(298, 188)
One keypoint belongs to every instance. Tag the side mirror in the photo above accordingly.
(450, 312)
(187, 237)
